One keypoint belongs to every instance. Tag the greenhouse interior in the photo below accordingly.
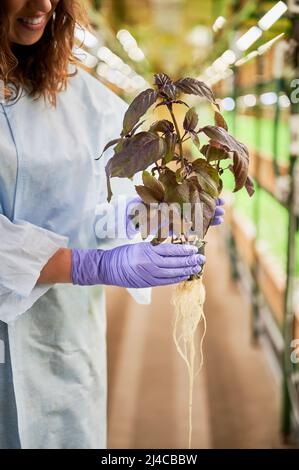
(247, 393)
(239, 387)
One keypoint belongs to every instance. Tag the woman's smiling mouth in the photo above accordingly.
(33, 23)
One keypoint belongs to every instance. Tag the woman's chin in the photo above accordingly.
(26, 39)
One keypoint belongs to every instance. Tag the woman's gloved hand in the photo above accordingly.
(136, 265)
(219, 211)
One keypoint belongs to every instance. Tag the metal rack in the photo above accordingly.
(264, 328)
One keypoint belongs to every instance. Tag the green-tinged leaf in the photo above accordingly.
(174, 192)
(180, 175)
(240, 153)
(214, 151)
(209, 206)
(220, 121)
(112, 142)
(207, 176)
(191, 86)
(194, 194)
(189, 192)
(170, 143)
(191, 120)
(144, 149)
(162, 126)
(121, 145)
(194, 200)
(146, 194)
(138, 108)
(156, 187)
(195, 138)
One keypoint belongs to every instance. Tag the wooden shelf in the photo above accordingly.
(262, 169)
(244, 234)
(271, 279)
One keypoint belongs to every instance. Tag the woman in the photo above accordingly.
(53, 122)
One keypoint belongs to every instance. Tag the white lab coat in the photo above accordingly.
(50, 185)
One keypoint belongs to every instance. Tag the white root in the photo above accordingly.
(188, 300)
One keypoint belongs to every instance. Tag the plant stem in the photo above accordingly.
(169, 106)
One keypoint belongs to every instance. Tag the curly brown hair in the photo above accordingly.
(43, 68)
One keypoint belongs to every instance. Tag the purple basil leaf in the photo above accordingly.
(144, 149)
(170, 141)
(138, 108)
(146, 194)
(182, 102)
(249, 185)
(156, 187)
(207, 176)
(240, 153)
(174, 192)
(220, 121)
(162, 79)
(191, 86)
(133, 131)
(214, 151)
(109, 144)
(209, 206)
(169, 91)
(162, 126)
(190, 120)
(195, 138)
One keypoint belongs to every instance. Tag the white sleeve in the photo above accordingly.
(24, 250)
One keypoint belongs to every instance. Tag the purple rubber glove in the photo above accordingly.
(131, 228)
(136, 265)
(219, 211)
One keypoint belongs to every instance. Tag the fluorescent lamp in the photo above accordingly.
(104, 53)
(125, 69)
(267, 99)
(219, 23)
(126, 39)
(210, 72)
(249, 100)
(228, 104)
(114, 61)
(136, 54)
(272, 16)
(284, 101)
(219, 65)
(269, 44)
(102, 70)
(87, 59)
(122, 35)
(252, 35)
(138, 82)
(229, 57)
(245, 59)
(85, 37)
